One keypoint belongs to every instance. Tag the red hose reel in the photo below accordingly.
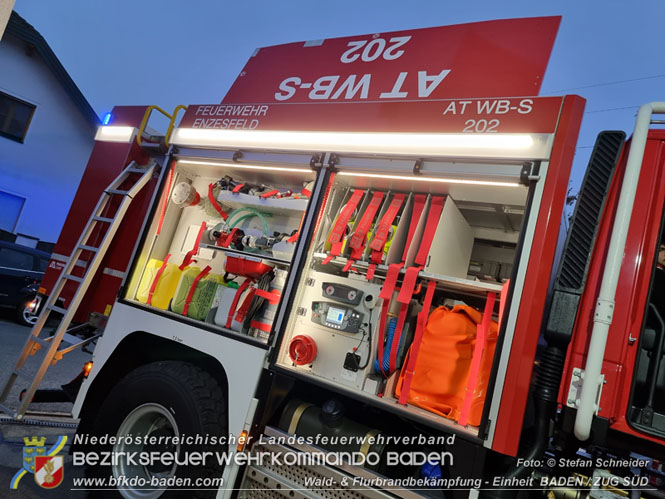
(302, 350)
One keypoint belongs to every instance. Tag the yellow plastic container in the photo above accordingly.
(203, 296)
(165, 287)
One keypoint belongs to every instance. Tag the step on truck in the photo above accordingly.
(354, 277)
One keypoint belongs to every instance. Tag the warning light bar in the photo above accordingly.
(496, 145)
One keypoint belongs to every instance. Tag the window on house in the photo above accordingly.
(15, 116)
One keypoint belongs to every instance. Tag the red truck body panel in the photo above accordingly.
(107, 160)
(541, 262)
(632, 288)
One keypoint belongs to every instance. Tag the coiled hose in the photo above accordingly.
(248, 213)
(392, 325)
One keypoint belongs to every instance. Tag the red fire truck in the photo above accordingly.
(360, 252)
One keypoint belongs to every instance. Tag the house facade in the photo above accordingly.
(47, 130)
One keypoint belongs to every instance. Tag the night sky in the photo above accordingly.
(171, 52)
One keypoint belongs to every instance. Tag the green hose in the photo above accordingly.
(252, 213)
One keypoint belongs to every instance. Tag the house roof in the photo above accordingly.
(20, 29)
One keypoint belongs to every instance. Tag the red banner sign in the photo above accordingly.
(501, 58)
(514, 115)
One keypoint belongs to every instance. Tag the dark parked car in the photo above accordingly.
(21, 271)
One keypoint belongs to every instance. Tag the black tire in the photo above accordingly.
(190, 395)
(23, 315)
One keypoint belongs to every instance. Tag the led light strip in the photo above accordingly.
(427, 144)
(239, 165)
(115, 134)
(418, 178)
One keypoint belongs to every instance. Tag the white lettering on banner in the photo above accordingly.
(424, 90)
(239, 116)
(452, 107)
(395, 92)
(526, 106)
(374, 49)
(481, 126)
(324, 87)
(290, 91)
(241, 124)
(328, 87)
(351, 90)
(229, 110)
(487, 107)
(503, 106)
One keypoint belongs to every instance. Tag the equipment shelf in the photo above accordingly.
(284, 206)
(247, 254)
(453, 283)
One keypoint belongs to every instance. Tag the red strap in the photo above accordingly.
(435, 209)
(166, 198)
(153, 286)
(237, 188)
(260, 325)
(269, 193)
(195, 249)
(244, 308)
(294, 237)
(411, 276)
(383, 228)
(337, 234)
(386, 294)
(272, 296)
(502, 299)
(391, 279)
(418, 207)
(408, 285)
(370, 271)
(214, 203)
(192, 288)
(474, 372)
(415, 346)
(348, 264)
(229, 239)
(404, 298)
(383, 319)
(359, 237)
(236, 298)
(306, 192)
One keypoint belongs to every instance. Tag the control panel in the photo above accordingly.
(336, 316)
(332, 335)
(341, 293)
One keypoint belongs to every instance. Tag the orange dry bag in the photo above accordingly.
(443, 363)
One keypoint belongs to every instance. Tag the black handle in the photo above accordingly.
(654, 363)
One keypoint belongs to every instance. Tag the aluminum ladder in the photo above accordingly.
(136, 177)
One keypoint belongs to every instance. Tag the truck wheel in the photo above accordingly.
(26, 312)
(162, 399)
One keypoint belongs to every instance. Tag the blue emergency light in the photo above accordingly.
(107, 119)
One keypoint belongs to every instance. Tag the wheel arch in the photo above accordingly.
(137, 349)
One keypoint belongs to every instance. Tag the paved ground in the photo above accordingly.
(12, 339)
